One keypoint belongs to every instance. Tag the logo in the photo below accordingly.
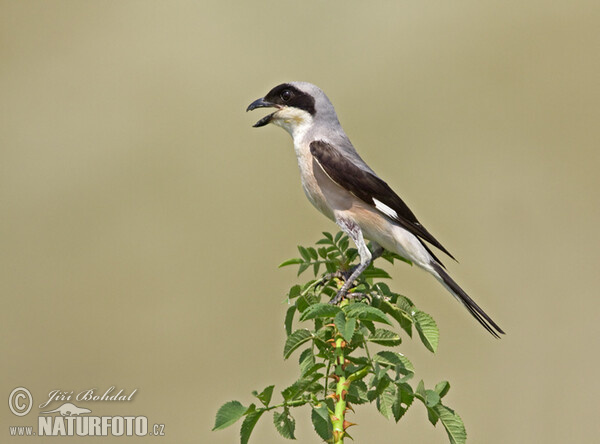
(68, 409)
(69, 419)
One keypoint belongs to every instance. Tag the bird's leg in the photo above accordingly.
(352, 229)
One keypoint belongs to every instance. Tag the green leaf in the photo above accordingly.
(295, 340)
(304, 253)
(328, 235)
(442, 388)
(294, 292)
(294, 261)
(302, 268)
(228, 414)
(386, 400)
(248, 425)
(301, 386)
(289, 319)
(375, 273)
(323, 252)
(306, 361)
(284, 424)
(338, 236)
(404, 319)
(357, 392)
(399, 362)
(344, 243)
(385, 337)
(265, 395)
(428, 330)
(452, 423)
(313, 253)
(365, 313)
(432, 398)
(345, 326)
(320, 310)
(404, 398)
(316, 267)
(321, 422)
(380, 384)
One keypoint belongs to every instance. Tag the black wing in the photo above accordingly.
(369, 188)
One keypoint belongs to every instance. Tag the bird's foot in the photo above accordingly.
(338, 297)
(339, 274)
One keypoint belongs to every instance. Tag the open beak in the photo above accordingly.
(261, 103)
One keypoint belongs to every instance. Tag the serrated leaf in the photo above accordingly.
(304, 253)
(285, 424)
(320, 310)
(228, 414)
(386, 400)
(299, 387)
(399, 362)
(380, 384)
(294, 292)
(248, 425)
(357, 392)
(453, 424)
(375, 273)
(289, 319)
(306, 360)
(431, 398)
(404, 399)
(404, 319)
(321, 422)
(316, 267)
(365, 313)
(303, 267)
(295, 340)
(428, 330)
(420, 390)
(265, 395)
(294, 261)
(309, 371)
(442, 388)
(345, 326)
(385, 337)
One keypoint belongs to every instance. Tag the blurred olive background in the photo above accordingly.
(143, 219)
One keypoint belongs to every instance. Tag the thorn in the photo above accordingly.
(337, 435)
(348, 424)
(349, 407)
(347, 435)
(334, 418)
(334, 396)
(334, 376)
(344, 393)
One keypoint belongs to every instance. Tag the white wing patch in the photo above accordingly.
(385, 209)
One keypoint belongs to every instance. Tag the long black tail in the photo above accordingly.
(464, 298)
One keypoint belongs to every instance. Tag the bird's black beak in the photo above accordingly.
(261, 103)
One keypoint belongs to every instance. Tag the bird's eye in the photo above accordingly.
(286, 95)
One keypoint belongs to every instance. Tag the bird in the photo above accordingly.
(338, 182)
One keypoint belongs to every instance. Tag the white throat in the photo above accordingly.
(295, 121)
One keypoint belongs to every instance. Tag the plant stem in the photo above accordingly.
(338, 416)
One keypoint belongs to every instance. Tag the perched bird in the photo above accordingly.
(346, 190)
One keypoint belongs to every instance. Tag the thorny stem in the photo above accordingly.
(338, 417)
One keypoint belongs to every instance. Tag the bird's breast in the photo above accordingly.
(322, 192)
